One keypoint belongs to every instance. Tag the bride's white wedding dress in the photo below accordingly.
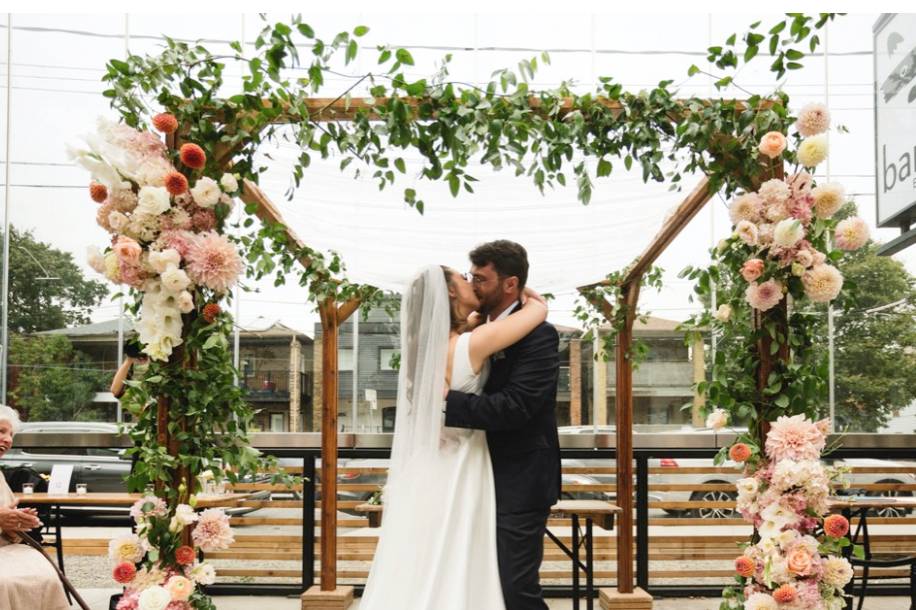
(437, 547)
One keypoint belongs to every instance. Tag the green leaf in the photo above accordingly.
(121, 66)
(306, 30)
(782, 401)
(693, 70)
(604, 168)
(399, 163)
(360, 30)
(404, 56)
(454, 184)
(750, 53)
(352, 50)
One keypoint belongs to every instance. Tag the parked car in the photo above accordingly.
(101, 469)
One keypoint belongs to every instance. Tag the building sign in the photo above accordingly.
(895, 118)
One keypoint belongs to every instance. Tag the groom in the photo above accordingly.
(518, 411)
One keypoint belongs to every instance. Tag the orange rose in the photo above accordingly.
(739, 452)
(836, 526)
(799, 561)
(785, 594)
(745, 566)
(772, 144)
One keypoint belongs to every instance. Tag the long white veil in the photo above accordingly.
(418, 423)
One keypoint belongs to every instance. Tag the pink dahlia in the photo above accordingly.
(795, 438)
(812, 120)
(180, 241)
(148, 506)
(745, 207)
(822, 283)
(851, 233)
(212, 532)
(765, 296)
(214, 262)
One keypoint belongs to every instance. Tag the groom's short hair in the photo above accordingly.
(507, 257)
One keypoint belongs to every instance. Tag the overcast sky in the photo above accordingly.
(57, 61)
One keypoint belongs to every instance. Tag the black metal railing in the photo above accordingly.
(597, 447)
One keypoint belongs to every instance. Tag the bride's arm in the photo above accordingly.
(492, 337)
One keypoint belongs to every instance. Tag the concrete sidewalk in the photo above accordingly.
(98, 600)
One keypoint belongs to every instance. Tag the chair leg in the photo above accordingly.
(864, 585)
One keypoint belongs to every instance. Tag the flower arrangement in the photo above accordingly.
(165, 212)
(157, 571)
(795, 562)
(779, 258)
(166, 240)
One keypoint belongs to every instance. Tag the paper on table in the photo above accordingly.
(60, 479)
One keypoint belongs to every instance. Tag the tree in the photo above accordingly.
(875, 348)
(43, 304)
(53, 381)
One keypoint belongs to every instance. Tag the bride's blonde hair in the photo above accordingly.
(458, 323)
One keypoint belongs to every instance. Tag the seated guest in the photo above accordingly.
(27, 580)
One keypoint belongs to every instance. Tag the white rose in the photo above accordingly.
(160, 261)
(95, 259)
(717, 419)
(206, 192)
(724, 313)
(747, 486)
(229, 183)
(185, 302)
(788, 232)
(153, 201)
(203, 574)
(174, 279)
(154, 598)
(184, 515)
(118, 221)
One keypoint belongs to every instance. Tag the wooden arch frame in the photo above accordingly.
(333, 314)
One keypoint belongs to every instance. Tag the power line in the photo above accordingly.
(485, 49)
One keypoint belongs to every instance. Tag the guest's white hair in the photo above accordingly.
(11, 415)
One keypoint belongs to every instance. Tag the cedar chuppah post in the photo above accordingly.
(629, 298)
(332, 316)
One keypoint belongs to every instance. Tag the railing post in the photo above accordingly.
(308, 521)
(642, 521)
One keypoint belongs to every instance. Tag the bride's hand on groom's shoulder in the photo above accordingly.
(530, 294)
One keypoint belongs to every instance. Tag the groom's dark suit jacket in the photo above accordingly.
(518, 411)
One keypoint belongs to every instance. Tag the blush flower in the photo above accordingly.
(214, 262)
(795, 438)
(822, 283)
(812, 120)
(752, 269)
(765, 296)
(851, 234)
(772, 144)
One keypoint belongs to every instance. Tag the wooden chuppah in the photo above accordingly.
(332, 315)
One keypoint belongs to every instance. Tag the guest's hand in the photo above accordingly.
(16, 520)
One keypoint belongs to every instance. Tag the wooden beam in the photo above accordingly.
(346, 310)
(329, 378)
(624, 399)
(268, 213)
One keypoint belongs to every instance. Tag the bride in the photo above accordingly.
(437, 547)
